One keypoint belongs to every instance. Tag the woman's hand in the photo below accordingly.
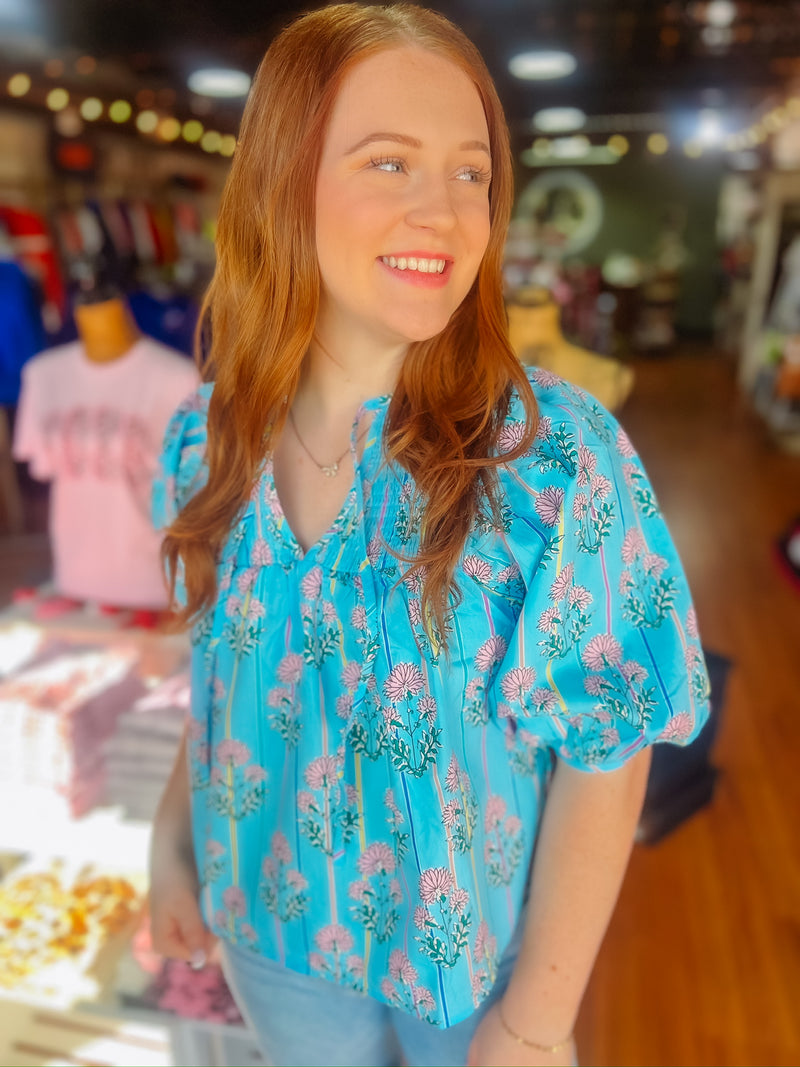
(176, 924)
(493, 1046)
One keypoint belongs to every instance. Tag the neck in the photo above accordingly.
(106, 329)
(337, 382)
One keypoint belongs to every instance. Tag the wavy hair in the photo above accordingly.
(258, 317)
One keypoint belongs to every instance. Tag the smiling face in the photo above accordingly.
(402, 201)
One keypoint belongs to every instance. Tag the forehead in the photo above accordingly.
(407, 90)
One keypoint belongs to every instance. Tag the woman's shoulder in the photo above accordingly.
(568, 419)
(194, 408)
(182, 468)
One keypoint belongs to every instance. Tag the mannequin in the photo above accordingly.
(106, 328)
(535, 333)
(91, 420)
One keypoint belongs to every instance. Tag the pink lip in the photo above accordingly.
(415, 277)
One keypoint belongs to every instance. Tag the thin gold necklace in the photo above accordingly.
(330, 470)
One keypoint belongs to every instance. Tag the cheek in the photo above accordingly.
(484, 226)
(347, 223)
(476, 223)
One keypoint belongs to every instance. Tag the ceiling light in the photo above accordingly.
(709, 128)
(559, 119)
(720, 12)
(217, 81)
(542, 66)
(570, 147)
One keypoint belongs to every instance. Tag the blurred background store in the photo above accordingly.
(653, 258)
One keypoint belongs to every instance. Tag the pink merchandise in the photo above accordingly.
(58, 712)
(96, 430)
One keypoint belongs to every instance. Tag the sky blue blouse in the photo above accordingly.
(365, 809)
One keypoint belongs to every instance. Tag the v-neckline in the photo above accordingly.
(284, 527)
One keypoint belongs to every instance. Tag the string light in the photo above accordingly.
(618, 144)
(120, 111)
(169, 129)
(146, 121)
(91, 109)
(68, 116)
(57, 99)
(18, 84)
(192, 131)
(210, 141)
(658, 144)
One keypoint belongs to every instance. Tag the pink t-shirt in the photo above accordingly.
(95, 430)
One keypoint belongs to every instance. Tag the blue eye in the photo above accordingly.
(475, 175)
(389, 164)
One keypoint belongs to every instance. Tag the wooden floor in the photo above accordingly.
(701, 965)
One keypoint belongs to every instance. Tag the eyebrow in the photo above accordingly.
(413, 142)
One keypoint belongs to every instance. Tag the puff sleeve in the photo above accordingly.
(182, 469)
(605, 657)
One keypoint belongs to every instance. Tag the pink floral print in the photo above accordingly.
(365, 802)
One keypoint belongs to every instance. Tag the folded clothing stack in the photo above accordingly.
(57, 712)
(140, 755)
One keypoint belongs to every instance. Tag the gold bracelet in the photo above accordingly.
(525, 1041)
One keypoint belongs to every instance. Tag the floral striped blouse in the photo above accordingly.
(364, 807)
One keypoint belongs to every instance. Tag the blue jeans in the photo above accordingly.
(303, 1020)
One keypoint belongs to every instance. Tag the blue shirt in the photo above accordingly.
(364, 807)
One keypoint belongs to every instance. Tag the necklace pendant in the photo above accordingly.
(330, 471)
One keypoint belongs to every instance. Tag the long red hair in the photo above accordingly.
(260, 310)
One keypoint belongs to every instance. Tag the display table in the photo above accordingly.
(92, 704)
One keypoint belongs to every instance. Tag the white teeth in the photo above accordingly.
(424, 266)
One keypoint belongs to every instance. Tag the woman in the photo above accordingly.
(423, 592)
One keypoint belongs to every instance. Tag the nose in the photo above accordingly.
(432, 206)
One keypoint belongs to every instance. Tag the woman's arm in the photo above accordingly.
(583, 849)
(177, 927)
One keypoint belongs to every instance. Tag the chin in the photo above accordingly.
(425, 329)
